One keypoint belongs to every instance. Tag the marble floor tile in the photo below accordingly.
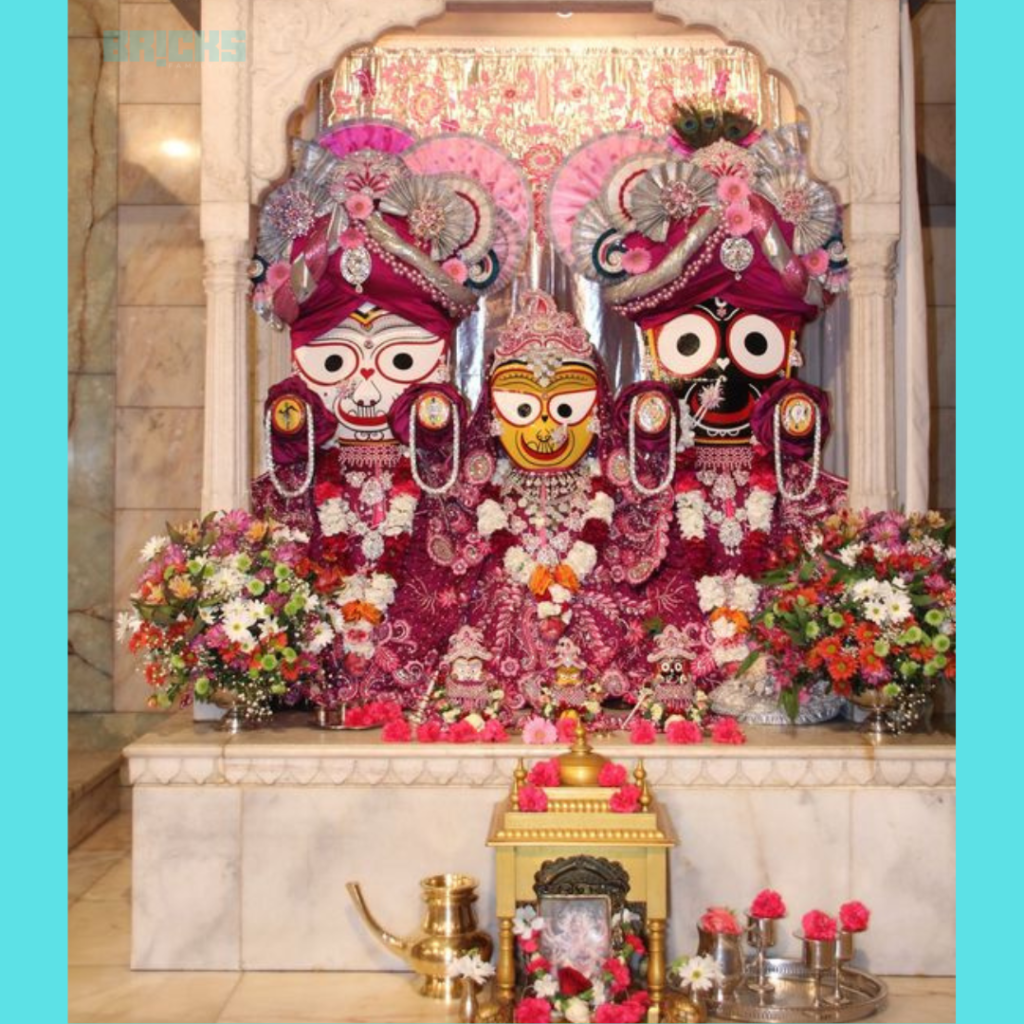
(115, 835)
(86, 868)
(99, 933)
(115, 994)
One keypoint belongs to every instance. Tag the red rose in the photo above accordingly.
(533, 799)
(428, 732)
(571, 982)
(642, 731)
(768, 904)
(397, 731)
(726, 730)
(619, 973)
(720, 921)
(551, 628)
(546, 773)
(612, 775)
(818, 925)
(595, 531)
(854, 916)
(683, 731)
(533, 1011)
(626, 800)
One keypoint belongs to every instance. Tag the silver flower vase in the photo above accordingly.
(727, 952)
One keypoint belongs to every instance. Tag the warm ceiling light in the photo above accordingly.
(176, 148)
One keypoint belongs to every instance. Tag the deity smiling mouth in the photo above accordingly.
(363, 417)
(544, 448)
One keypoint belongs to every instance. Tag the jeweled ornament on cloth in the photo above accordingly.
(720, 283)
(371, 254)
(543, 595)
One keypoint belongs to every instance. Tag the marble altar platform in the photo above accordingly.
(242, 844)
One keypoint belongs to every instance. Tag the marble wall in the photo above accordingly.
(136, 321)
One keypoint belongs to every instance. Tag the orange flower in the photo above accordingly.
(540, 579)
(738, 619)
(181, 587)
(841, 668)
(565, 577)
(353, 611)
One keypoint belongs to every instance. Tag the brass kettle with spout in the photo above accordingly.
(449, 930)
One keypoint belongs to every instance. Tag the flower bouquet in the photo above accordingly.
(227, 606)
(868, 603)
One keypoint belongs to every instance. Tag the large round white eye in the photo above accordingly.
(756, 345)
(516, 407)
(572, 408)
(408, 361)
(687, 345)
(327, 364)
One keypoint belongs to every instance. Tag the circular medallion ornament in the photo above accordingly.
(618, 467)
(652, 413)
(288, 415)
(797, 415)
(736, 254)
(433, 410)
(479, 467)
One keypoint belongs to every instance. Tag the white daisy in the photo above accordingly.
(152, 548)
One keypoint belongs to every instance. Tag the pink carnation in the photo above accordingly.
(546, 773)
(636, 261)
(397, 731)
(352, 238)
(278, 273)
(683, 731)
(818, 925)
(566, 726)
(727, 730)
(626, 800)
(537, 730)
(720, 921)
(619, 974)
(854, 916)
(732, 189)
(533, 1011)
(816, 262)
(612, 775)
(428, 732)
(493, 732)
(462, 732)
(359, 205)
(456, 270)
(614, 1013)
(538, 965)
(738, 219)
(642, 731)
(533, 799)
(768, 904)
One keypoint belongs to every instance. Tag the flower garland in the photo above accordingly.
(613, 993)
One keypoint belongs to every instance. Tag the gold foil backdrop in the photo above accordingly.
(538, 104)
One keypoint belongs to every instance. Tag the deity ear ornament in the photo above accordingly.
(793, 419)
(650, 411)
(424, 418)
(295, 424)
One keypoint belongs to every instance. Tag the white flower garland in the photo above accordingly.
(375, 589)
(694, 512)
(337, 516)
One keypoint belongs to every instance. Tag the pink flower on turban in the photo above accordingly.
(738, 219)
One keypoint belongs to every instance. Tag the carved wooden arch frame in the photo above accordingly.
(841, 57)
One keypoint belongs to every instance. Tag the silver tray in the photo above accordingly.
(793, 998)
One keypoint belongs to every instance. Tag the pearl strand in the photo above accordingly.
(268, 455)
(671, 469)
(456, 456)
(815, 458)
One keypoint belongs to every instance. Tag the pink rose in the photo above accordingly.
(359, 205)
(720, 921)
(612, 775)
(493, 732)
(537, 730)
(727, 730)
(619, 974)
(768, 904)
(626, 800)
(428, 732)
(533, 800)
(636, 261)
(732, 189)
(533, 1011)
(816, 262)
(278, 273)
(854, 916)
(546, 773)
(642, 731)
(683, 731)
(738, 219)
(456, 270)
(566, 726)
(818, 925)
(397, 731)
(462, 732)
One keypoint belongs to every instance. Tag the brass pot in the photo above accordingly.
(448, 930)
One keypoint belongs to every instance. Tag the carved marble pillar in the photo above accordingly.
(872, 433)
(226, 423)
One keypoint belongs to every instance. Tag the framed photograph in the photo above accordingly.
(577, 932)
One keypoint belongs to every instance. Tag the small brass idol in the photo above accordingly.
(449, 930)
